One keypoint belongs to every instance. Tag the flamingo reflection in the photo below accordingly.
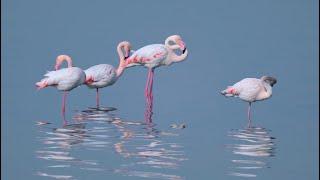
(252, 148)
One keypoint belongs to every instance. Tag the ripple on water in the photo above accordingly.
(138, 149)
(252, 149)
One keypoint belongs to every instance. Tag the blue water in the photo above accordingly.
(227, 41)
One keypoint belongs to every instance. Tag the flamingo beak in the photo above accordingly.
(182, 46)
(184, 50)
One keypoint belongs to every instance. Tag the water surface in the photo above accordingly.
(227, 40)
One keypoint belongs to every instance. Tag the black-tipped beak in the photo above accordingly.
(126, 57)
(184, 50)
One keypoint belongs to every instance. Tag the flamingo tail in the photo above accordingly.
(229, 92)
(42, 84)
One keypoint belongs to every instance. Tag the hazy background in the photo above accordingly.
(227, 40)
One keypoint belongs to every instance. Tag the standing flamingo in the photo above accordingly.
(103, 75)
(155, 55)
(64, 79)
(251, 90)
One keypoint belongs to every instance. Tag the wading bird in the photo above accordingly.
(251, 90)
(155, 55)
(64, 79)
(103, 75)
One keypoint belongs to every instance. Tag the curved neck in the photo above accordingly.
(121, 65)
(176, 58)
(266, 92)
(62, 58)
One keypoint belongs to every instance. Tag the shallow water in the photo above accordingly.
(195, 133)
(137, 149)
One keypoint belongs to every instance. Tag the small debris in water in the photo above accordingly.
(178, 126)
(117, 121)
(40, 123)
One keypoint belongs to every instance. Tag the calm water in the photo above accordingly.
(227, 41)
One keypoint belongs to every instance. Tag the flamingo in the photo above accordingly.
(64, 79)
(251, 90)
(103, 75)
(156, 55)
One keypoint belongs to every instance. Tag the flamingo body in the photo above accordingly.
(250, 90)
(103, 75)
(150, 56)
(64, 79)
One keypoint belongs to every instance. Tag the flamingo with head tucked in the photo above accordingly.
(251, 90)
(64, 79)
(103, 75)
(155, 55)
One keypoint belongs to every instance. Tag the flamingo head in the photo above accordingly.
(124, 48)
(89, 80)
(269, 80)
(175, 42)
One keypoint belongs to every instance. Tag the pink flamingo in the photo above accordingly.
(155, 55)
(251, 90)
(103, 75)
(64, 79)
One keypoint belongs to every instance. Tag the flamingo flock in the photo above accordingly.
(150, 56)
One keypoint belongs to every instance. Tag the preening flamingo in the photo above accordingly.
(251, 90)
(103, 75)
(155, 55)
(64, 79)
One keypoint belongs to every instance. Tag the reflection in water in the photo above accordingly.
(252, 148)
(149, 110)
(143, 150)
(58, 144)
(146, 150)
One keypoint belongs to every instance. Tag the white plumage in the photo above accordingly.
(251, 89)
(103, 75)
(150, 56)
(64, 79)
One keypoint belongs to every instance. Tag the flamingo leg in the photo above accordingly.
(63, 109)
(97, 98)
(151, 87)
(149, 96)
(146, 90)
(146, 94)
(249, 115)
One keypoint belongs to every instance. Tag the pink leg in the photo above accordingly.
(149, 96)
(146, 90)
(249, 115)
(146, 94)
(151, 87)
(63, 110)
(97, 97)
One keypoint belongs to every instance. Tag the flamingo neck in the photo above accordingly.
(121, 65)
(265, 93)
(60, 59)
(120, 70)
